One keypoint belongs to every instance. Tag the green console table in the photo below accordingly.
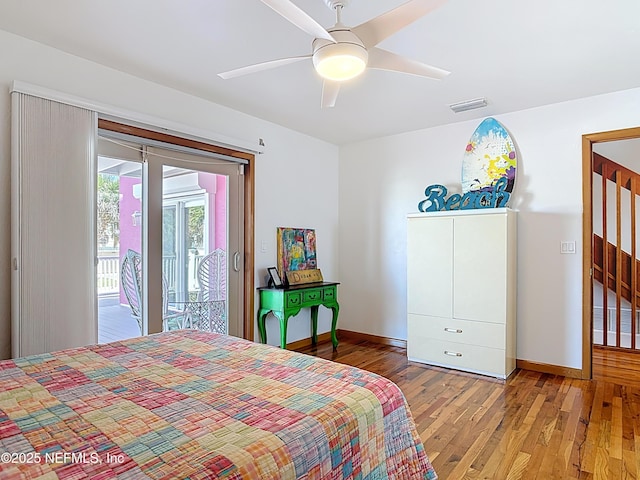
(287, 302)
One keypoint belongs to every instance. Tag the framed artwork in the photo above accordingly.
(296, 249)
(274, 277)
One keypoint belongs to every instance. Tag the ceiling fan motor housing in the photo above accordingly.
(333, 4)
(343, 60)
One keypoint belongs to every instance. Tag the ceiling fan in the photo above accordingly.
(341, 53)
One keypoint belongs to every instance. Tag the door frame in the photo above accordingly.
(587, 236)
(249, 203)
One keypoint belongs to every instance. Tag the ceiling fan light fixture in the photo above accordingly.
(340, 61)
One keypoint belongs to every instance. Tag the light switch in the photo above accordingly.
(263, 246)
(568, 246)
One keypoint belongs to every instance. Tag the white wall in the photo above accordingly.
(291, 159)
(380, 181)
(384, 179)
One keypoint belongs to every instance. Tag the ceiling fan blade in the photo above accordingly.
(258, 67)
(384, 60)
(330, 92)
(377, 29)
(299, 18)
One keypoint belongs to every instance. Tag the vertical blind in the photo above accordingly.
(53, 282)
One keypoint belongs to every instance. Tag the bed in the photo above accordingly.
(197, 405)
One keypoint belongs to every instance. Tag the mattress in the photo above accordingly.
(198, 405)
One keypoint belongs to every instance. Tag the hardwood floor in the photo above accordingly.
(533, 426)
(616, 365)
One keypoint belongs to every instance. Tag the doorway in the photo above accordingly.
(179, 206)
(610, 274)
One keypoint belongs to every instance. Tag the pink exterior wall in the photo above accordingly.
(216, 188)
(130, 235)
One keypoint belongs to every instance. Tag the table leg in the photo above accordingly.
(262, 330)
(334, 322)
(194, 314)
(186, 319)
(205, 312)
(314, 325)
(283, 328)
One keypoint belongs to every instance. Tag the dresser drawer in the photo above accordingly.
(311, 295)
(329, 293)
(468, 332)
(471, 358)
(294, 299)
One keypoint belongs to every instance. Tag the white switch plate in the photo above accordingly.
(263, 246)
(568, 246)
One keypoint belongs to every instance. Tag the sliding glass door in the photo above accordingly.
(177, 239)
(119, 240)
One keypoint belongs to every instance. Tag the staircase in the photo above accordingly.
(625, 272)
(614, 268)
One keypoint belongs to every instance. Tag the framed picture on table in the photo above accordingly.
(274, 278)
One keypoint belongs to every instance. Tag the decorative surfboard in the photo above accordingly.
(489, 163)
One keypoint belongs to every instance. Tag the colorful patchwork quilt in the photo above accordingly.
(198, 405)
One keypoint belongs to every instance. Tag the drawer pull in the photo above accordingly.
(453, 330)
(452, 354)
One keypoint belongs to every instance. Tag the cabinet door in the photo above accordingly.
(479, 271)
(429, 265)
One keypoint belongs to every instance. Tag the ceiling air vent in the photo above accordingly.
(468, 105)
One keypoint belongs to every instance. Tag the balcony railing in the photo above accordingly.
(108, 273)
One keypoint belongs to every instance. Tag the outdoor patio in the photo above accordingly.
(115, 321)
(193, 307)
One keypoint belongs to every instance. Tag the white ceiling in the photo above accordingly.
(516, 53)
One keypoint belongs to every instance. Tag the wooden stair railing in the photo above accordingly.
(614, 268)
(626, 268)
(611, 167)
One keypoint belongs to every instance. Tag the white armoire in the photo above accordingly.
(461, 290)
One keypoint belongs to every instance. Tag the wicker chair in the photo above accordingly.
(212, 280)
(131, 278)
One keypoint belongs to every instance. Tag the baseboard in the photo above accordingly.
(546, 368)
(396, 342)
(367, 337)
(306, 342)
(354, 336)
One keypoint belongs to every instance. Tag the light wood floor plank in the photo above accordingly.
(531, 426)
